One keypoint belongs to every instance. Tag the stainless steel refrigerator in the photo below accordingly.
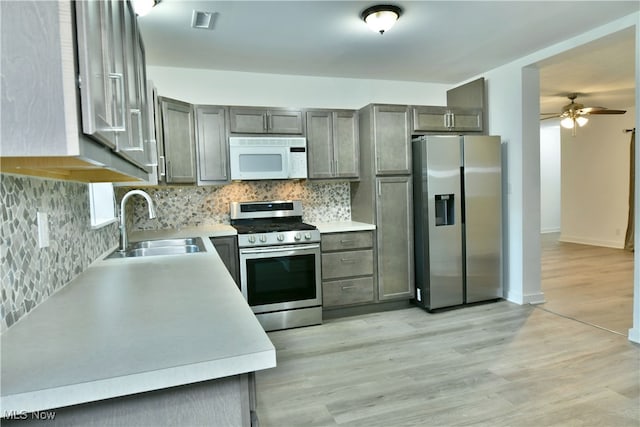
(457, 219)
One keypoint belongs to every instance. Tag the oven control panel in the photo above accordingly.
(278, 238)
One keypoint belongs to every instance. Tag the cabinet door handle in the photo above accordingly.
(346, 288)
(119, 79)
(347, 242)
(452, 120)
(265, 122)
(162, 166)
(152, 153)
(348, 260)
(169, 174)
(140, 146)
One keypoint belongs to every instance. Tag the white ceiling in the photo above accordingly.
(434, 41)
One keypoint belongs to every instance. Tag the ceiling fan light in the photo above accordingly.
(567, 123)
(582, 121)
(381, 18)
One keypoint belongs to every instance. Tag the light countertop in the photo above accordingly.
(126, 326)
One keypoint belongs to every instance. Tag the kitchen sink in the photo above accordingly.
(190, 241)
(161, 247)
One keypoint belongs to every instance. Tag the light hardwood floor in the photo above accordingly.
(497, 364)
(591, 284)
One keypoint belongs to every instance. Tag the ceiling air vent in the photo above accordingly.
(203, 20)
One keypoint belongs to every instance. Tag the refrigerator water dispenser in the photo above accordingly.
(444, 209)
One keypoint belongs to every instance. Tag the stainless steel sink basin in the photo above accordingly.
(189, 241)
(161, 247)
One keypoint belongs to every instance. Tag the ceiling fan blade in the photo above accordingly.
(552, 117)
(589, 110)
(605, 111)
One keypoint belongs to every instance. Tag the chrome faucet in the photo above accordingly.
(123, 223)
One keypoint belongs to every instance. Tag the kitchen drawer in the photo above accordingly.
(347, 264)
(347, 241)
(344, 292)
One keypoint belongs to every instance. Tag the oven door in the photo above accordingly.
(281, 277)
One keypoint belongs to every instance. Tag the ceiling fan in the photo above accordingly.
(575, 114)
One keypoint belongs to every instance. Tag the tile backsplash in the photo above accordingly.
(187, 206)
(30, 274)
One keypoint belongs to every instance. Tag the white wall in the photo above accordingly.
(198, 86)
(513, 104)
(550, 194)
(514, 114)
(595, 181)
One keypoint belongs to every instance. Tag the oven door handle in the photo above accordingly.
(280, 249)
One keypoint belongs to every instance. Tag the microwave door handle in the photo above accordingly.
(285, 162)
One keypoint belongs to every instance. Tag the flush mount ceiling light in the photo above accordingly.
(381, 17)
(142, 7)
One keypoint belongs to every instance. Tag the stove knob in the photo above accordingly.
(280, 237)
(297, 236)
(307, 236)
(263, 238)
(252, 239)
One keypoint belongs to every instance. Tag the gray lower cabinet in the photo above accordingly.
(447, 119)
(332, 144)
(347, 268)
(394, 220)
(227, 248)
(228, 401)
(211, 138)
(262, 120)
(178, 141)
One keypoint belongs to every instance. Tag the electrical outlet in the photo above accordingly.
(43, 229)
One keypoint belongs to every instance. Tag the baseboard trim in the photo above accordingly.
(518, 298)
(591, 242)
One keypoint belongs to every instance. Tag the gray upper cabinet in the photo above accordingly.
(134, 138)
(394, 222)
(447, 119)
(178, 139)
(78, 73)
(265, 120)
(211, 137)
(101, 66)
(392, 136)
(115, 111)
(332, 143)
(468, 95)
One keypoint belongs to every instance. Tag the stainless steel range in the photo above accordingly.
(279, 263)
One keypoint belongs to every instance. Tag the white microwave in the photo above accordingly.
(253, 158)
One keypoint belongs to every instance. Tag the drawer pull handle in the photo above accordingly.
(348, 260)
(346, 288)
(347, 242)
